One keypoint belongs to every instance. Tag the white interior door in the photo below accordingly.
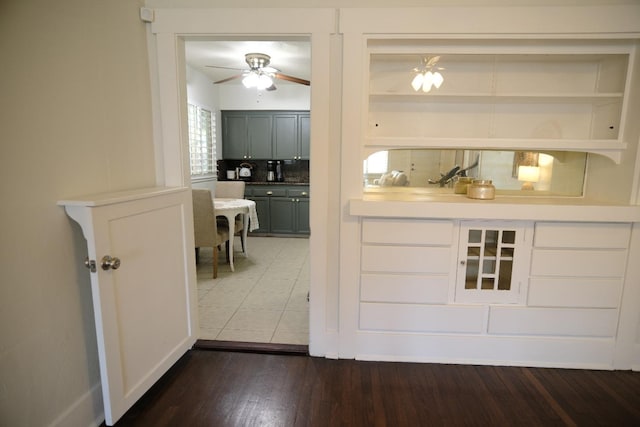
(145, 306)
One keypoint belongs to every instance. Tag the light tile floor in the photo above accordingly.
(264, 300)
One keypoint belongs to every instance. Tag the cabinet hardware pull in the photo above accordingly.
(304, 193)
(269, 193)
(463, 262)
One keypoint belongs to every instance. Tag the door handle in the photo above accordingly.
(110, 263)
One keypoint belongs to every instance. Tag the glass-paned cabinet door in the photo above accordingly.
(492, 262)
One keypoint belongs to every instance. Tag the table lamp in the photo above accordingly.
(529, 175)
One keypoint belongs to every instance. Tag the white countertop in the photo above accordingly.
(456, 206)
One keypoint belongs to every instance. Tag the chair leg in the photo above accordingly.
(226, 246)
(215, 262)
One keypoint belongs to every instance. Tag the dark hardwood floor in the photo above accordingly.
(224, 388)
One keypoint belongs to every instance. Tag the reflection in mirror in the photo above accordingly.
(512, 172)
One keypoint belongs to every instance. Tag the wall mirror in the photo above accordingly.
(524, 173)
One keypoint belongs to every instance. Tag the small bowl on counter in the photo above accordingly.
(481, 189)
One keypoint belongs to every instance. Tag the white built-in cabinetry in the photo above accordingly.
(559, 305)
(562, 95)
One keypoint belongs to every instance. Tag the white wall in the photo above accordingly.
(75, 119)
(286, 97)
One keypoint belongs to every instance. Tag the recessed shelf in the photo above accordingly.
(568, 98)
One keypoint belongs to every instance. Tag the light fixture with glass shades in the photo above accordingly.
(258, 79)
(529, 175)
(427, 75)
(259, 75)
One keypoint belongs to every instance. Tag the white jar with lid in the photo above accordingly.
(482, 189)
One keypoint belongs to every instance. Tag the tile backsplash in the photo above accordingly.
(294, 170)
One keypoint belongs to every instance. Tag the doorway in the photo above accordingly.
(265, 300)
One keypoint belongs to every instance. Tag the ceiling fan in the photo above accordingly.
(259, 74)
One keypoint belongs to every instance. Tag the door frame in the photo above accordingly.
(166, 36)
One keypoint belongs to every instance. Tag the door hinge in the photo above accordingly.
(90, 264)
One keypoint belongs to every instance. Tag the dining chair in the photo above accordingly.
(207, 231)
(231, 190)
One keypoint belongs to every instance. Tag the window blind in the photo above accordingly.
(202, 141)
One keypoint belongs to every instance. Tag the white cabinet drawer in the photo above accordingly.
(403, 288)
(574, 292)
(421, 318)
(407, 232)
(587, 263)
(403, 259)
(581, 235)
(553, 321)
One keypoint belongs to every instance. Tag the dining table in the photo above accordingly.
(230, 208)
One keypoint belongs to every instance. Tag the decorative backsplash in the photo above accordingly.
(295, 171)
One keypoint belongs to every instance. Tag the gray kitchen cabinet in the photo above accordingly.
(282, 215)
(247, 135)
(285, 136)
(281, 209)
(255, 134)
(291, 135)
(304, 125)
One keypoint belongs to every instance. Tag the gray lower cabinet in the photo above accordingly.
(281, 209)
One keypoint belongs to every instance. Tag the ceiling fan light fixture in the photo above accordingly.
(426, 78)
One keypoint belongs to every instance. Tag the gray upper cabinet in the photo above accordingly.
(265, 134)
(285, 136)
(304, 126)
(247, 136)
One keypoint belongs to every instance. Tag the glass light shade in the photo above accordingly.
(416, 83)
(264, 82)
(437, 79)
(427, 82)
(251, 80)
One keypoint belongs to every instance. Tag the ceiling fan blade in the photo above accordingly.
(292, 79)
(226, 68)
(237, 76)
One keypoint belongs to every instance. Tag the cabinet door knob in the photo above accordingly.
(304, 193)
(107, 262)
(463, 262)
(269, 193)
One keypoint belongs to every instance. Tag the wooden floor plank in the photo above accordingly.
(225, 388)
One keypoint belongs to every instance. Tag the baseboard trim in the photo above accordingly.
(252, 347)
(88, 410)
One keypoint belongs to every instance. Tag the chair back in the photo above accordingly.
(204, 220)
(230, 189)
